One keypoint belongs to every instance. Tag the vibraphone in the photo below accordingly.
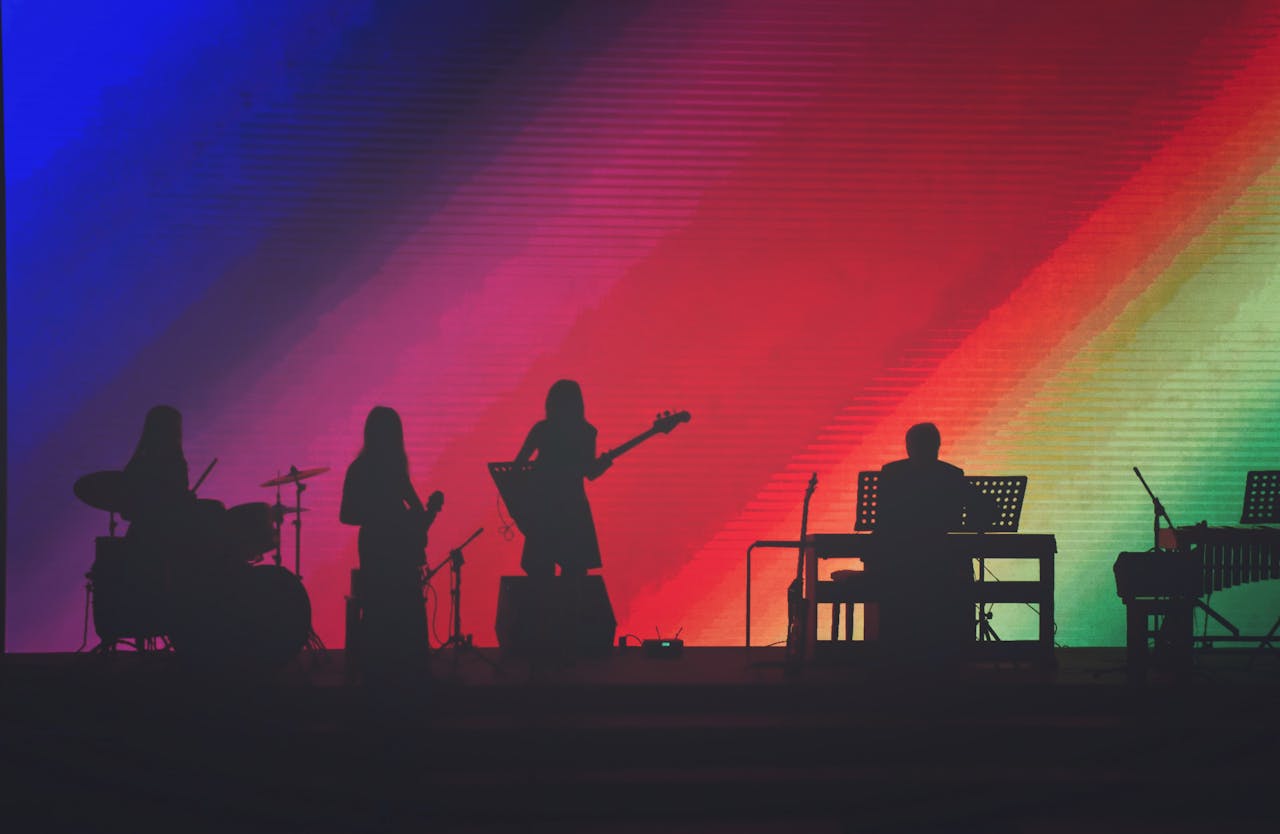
(1229, 556)
(1165, 586)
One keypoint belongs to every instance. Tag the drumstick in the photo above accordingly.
(212, 464)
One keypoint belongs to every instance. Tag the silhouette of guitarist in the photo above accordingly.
(378, 496)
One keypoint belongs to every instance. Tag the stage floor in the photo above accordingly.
(717, 739)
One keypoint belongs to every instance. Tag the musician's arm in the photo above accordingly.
(351, 511)
(410, 496)
(530, 444)
(596, 466)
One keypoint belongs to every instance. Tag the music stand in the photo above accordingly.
(1261, 498)
(868, 500)
(1262, 506)
(1008, 492)
(517, 485)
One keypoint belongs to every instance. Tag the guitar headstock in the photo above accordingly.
(666, 421)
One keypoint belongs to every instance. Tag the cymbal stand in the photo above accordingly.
(277, 515)
(299, 486)
(457, 640)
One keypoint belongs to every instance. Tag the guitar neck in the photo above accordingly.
(612, 454)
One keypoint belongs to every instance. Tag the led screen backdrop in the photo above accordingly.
(1051, 228)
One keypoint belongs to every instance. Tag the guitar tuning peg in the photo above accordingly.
(666, 414)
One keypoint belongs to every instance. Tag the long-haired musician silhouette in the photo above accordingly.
(378, 496)
(564, 443)
(156, 476)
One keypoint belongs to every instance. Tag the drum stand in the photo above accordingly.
(457, 640)
(299, 486)
(277, 515)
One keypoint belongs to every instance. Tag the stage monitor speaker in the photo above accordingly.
(555, 613)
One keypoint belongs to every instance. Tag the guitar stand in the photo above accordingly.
(457, 640)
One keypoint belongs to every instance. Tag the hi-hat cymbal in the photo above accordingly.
(102, 490)
(296, 475)
(281, 509)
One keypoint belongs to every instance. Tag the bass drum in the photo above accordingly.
(256, 618)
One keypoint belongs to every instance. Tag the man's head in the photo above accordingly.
(923, 441)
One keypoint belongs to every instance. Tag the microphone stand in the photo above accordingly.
(457, 640)
(1157, 510)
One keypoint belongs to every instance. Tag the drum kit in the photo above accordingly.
(196, 582)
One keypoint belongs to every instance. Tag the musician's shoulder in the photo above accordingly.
(895, 466)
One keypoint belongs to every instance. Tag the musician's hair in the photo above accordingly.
(384, 438)
(923, 441)
(564, 403)
(161, 433)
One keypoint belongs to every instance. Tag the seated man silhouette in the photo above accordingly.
(926, 613)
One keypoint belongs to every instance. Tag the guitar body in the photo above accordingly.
(416, 524)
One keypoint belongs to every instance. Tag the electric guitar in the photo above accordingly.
(799, 610)
(420, 523)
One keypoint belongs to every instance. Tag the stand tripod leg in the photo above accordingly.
(1223, 621)
(1265, 642)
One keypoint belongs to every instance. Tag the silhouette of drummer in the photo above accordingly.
(564, 448)
(157, 502)
(378, 496)
(156, 485)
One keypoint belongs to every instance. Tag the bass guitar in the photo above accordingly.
(518, 482)
(663, 423)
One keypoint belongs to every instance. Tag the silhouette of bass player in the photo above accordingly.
(562, 532)
(926, 611)
(378, 496)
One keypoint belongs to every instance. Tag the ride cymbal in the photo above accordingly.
(295, 475)
(103, 490)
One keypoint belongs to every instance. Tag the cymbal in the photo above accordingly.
(296, 475)
(102, 490)
(281, 509)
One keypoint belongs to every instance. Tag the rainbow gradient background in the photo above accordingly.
(1051, 228)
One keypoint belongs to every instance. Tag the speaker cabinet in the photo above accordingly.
(554, 614)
